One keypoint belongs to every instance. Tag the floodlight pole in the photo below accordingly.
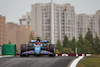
(52, 22)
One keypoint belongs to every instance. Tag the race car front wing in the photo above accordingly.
(32, 52)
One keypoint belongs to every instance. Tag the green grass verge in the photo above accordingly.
(89, 62)
(97, 56)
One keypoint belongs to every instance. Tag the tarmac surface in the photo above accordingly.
(36, 61)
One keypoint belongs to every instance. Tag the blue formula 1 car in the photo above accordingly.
(37, 47)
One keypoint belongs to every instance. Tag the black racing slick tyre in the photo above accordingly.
(22, 49)
(52, 49)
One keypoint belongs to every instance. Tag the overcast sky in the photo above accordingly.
(14, 9)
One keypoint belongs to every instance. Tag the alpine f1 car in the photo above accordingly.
(37, 47)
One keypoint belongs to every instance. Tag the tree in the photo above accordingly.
(74, 44)
(96, 44)
(31, 36)
(89, 36)
(80, 38)
(67, 50)
(65, 42)
(59, 46)
(57, 51)
(83, 45)
(73, 39)
(86, 48)
(80, 43)
(9, 42)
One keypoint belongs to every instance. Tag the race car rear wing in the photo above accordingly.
(43, 41)
(32, 41)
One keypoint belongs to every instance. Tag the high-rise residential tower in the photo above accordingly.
(83, 22)
(17, 34)
(26, 19)
(2, 30)
(97, 22)
(64, 20)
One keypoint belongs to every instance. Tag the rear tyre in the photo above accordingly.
(22, 49)
(52, 49)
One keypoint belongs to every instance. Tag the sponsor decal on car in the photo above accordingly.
(28, 52)
(37, 49)
(46, 52)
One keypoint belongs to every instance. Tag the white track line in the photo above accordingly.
(6, 56)
(75, 62)
(0, 56)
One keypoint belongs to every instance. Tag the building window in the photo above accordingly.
(35, 9)
(62, 23)
(99, 32)
(62, 20)
(62, 26)
(57, 23)
(28, 17)
(57, 9)
(68, 23)
(68, 20)
(62, 13)
(28, 23)
(99, 23)
(20, 23)
(72, 10)
(43, 9)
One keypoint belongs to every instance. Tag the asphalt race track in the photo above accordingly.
(36, 61)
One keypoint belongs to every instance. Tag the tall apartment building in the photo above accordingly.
(97, 22)
(26, 19)
(83, 22)
(17, 34)
(2, 30)
(64, 20)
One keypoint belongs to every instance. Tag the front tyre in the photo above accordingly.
(22, 49)
(52, 49)
(54, 52)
